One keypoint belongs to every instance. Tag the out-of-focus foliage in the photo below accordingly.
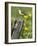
(26, 31)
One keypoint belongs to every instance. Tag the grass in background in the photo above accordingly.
(26, 31)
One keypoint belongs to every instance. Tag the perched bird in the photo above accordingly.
(23, 14)
(19, 11)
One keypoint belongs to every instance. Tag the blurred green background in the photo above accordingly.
(26, 31)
